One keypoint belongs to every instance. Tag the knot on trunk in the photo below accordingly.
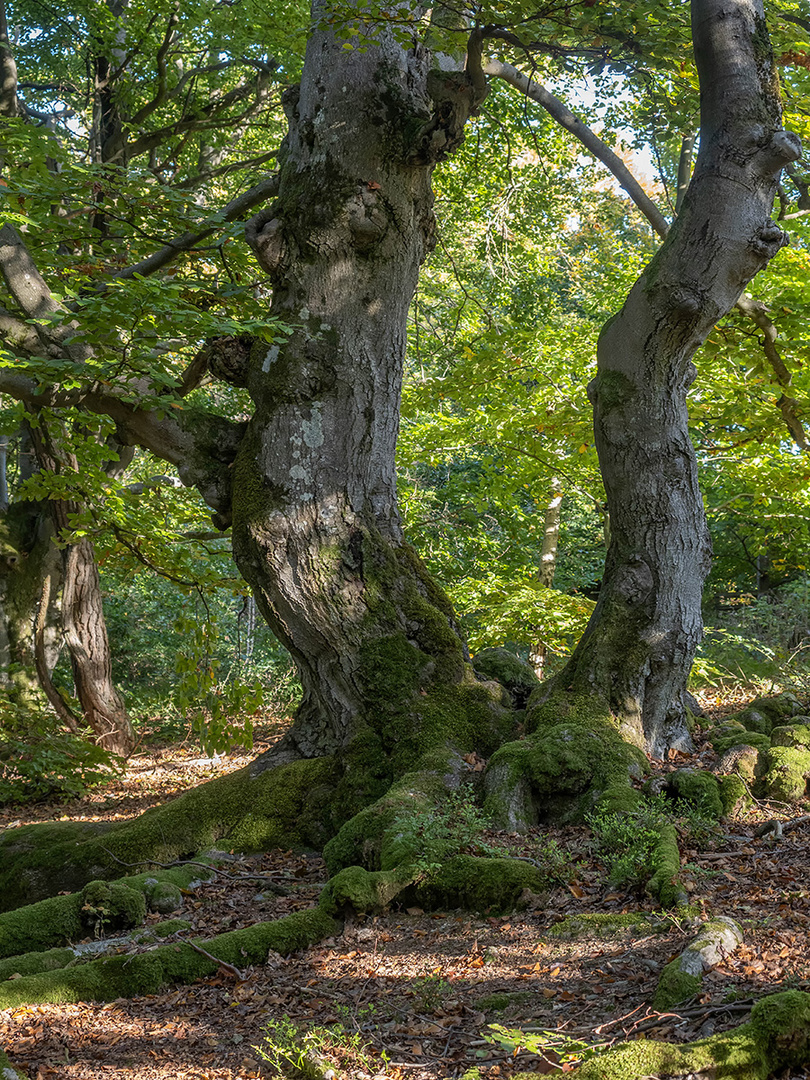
(769, 240)
(264, 234)
(634, 581)
(456, 97)
(783, 148)
(228, 358)
(368, 220)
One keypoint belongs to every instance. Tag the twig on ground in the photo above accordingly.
(190, 862)
(229, 968)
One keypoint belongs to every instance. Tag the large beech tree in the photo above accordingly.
(310, 484)
(393, 715)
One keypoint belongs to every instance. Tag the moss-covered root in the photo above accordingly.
(683, 977)
(9, 1071)
(282, 806)
(776, 1037)
(145, 973)
(665, 883)
(101, 907)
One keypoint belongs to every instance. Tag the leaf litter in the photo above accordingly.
(414, 995)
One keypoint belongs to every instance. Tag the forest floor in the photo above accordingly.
(408, 995)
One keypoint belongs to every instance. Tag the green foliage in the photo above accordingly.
(564, 1049)
(628, 840)
(454, 826)
(431, 992)
(302, 1054)
(39, 762)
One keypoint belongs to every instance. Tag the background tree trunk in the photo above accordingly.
(639, 646)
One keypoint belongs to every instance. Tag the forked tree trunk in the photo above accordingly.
(83, 626)
(640, 644)
(317, 532)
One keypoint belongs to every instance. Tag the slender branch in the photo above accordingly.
(160, 63)
(758, 313)
(9, 102)
(563, 115)
(234, 210)
(22, 277)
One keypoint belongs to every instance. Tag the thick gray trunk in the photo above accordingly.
(640, 644)
(316, 526)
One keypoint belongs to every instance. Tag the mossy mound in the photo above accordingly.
(516, 675)
(377, 838)
(8, 1071)
(795, 734)
(479, 884)
(742, 738)
(682, 978)
(776, 1037)
(766, 713)
(145, 973)
(607, 926)
(561, 770)
(786, 775)
(278, 808)
(735, 795)
(101, 907)
(500, 1002)
(699, 789)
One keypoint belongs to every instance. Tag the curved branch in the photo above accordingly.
(563, 115)
(201, 445)
(265, 189)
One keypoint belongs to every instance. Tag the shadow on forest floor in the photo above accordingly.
(408, 994)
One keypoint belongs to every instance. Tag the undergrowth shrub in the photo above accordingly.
(46, 764)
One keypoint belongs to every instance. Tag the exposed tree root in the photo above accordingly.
(776, 1037)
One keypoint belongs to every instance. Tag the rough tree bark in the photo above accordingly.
(317, 531)
(83, 625)
(639, 646)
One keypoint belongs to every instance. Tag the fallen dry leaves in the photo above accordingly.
(409, 994)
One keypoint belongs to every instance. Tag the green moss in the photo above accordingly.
(277, 808)
(796, 735)
(570, 766)
(108, 906)
(749, 738)
(699, 789)
(9, 1071)
(510, 671)
(778, 706)
(729, 728)
(782, 1023)
(787, 770)
(734, 795)
(607, 926)
(145, 973)
(163, 929)
(666, 864)
(32, 963)
(501, 1002)
(163, 897)
(479, 884)
(776, 1037)
(619, 798)
(363, 890)
(62, 919)
(675, 985)
(371, 838)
